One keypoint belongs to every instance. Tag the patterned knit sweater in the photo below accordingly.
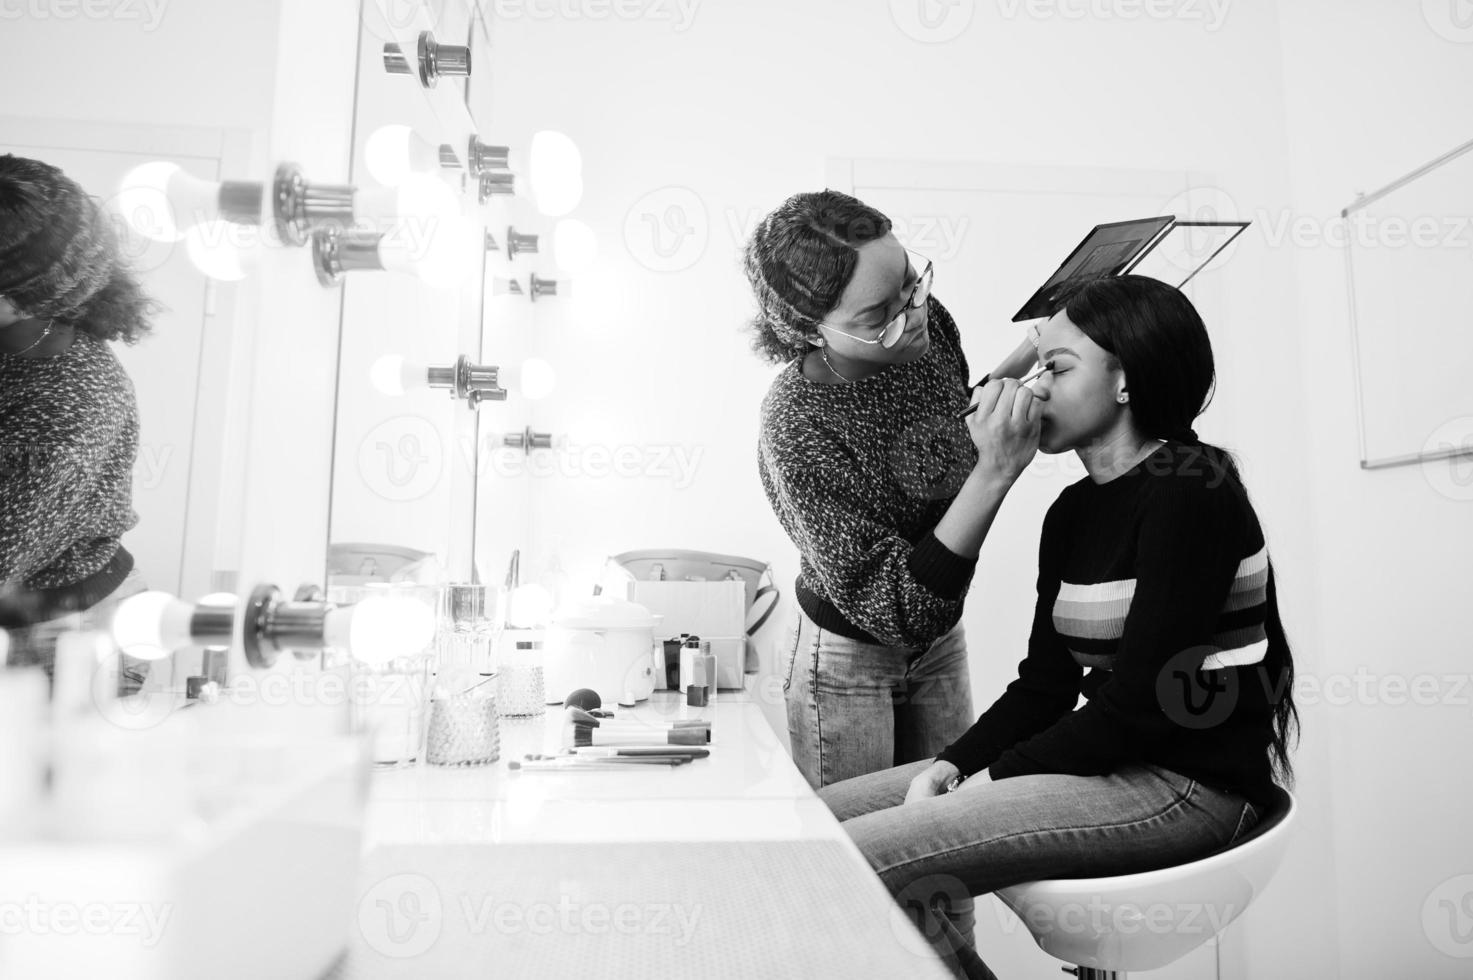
(68, 440)
(1158, 584)
(859, 475)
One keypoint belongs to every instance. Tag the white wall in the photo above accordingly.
(705, 125)
(1374, 90)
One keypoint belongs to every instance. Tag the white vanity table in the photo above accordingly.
(726, 866)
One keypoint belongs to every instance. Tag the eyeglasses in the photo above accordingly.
(890, 332)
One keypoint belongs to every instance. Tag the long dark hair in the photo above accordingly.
(1159, 340)
(799, 261)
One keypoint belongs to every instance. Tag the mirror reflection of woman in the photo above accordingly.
(68, 415)
(887, 494)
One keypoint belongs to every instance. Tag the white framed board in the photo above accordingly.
(1409, 265)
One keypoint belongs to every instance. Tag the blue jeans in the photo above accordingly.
(854, 708)
(934, 854)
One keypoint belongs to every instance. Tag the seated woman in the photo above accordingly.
(1155, 601)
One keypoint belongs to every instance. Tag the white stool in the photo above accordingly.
(1105, 926)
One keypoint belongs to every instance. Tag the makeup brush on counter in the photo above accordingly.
(585, 737)
(574, 764)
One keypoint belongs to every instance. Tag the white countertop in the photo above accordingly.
(786, 889)
(747, 789)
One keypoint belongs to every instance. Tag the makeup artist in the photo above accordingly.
(887, 494)
(68, 417)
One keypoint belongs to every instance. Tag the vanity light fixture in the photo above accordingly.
(472, 383)
(542, 287)
(434, 59)
(517, 243)
(152, 625)
(483, 158)
(527, 440)
(496, 183)
(441, 257)
(300, 207)
(159, 200)
(375, 630)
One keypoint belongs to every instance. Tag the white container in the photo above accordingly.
(605, 644)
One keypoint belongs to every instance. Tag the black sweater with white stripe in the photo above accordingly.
(1156, 602)
(859, 475)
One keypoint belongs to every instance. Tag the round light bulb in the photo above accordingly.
(529, 606)
(392, 375)
(143, 200)
(160, 201)
(380, 628)
(555, 172)
(574, 246)
(394, 152)
(536, 379)
(151, 625)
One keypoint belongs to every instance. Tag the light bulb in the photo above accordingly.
(574, 246)
(555, 171)
(223, 250)
(380, 628)
(160, 201)
(151, 625)
(392, 375)
(529, 607)
(534, 379)
(394, 152)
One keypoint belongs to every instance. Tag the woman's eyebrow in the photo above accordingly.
(1059, 350)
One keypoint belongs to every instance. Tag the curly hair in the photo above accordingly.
(119, 311)
(60, 256)
(798, 261)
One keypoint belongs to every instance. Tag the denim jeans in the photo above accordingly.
(855, 708)
(934, 854)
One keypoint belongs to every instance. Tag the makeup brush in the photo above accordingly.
(673, 751)
(583, 737)
(1029, 379)
(652, 760)
(558, 765)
